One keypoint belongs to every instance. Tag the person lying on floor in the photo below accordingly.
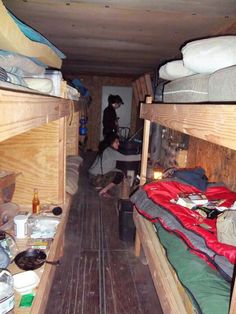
(103, 173)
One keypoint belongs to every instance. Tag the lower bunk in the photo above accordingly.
(184, 283)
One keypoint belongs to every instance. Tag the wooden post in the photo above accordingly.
(144, 160)
(146, 133)
(233, 301)
(149, 84)
(137, 245)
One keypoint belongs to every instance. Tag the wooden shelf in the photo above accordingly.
(23, 111)
(214, 123)
(46, 272)
(33, 142)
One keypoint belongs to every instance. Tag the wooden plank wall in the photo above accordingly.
(94, 85)
(142, 87)
(219, 162)
(38, 156)
(72, 134)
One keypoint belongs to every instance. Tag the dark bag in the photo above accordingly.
(195, 177)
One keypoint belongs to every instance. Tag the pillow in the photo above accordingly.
(211, 54)
(42, 85)
(72, 173)
(174, 70)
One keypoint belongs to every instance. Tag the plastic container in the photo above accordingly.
(7, 299)
(126, 223)
(20, 226)
(26, 281)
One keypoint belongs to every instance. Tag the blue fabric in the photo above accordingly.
(195, 177)
(78, 85)
(36, 36)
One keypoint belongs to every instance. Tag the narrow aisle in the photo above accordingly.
(99, 273)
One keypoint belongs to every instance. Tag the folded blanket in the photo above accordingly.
(19, 65)
(3, 75)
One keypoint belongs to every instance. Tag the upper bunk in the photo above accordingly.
(22, 111)
(213, 122)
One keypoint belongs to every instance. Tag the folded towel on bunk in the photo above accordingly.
(42, 85)
(19, 65)
(15, 79)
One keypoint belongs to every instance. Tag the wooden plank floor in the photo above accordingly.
(99, 273)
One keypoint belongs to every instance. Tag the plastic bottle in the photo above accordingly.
(83, 128)
(7, 299)
(35, 202)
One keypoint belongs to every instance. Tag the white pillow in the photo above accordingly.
(211, 54)
(42, 85)
(174, 70)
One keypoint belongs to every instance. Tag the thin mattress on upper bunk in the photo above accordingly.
(215, 87)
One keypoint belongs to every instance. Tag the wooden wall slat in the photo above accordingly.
(37, 155)
(219, 162)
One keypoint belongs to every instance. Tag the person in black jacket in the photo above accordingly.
(110, 119)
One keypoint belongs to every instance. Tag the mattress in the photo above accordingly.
(14, 40)
(216, 87)
(193, 88)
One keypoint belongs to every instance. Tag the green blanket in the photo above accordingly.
(209, 292)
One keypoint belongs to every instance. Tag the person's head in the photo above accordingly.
(115, 101)
(115, 142)
(111, 140)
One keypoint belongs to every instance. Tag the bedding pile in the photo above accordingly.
(206, 72)
(157, 201)
(193, 233)
(25, 56)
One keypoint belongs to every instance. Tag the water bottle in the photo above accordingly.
(83, 128)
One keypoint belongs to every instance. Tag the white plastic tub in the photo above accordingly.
(26, 281)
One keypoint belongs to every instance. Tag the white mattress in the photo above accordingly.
(218, 86)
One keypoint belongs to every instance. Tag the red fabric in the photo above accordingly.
(161, 192)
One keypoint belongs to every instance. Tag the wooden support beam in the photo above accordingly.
(214, 123)
(139, 89)
(135, 93)
(149, 85)
(146, 134)
(144, 87)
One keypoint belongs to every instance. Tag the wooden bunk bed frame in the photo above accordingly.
(212, 122)
(38, 124)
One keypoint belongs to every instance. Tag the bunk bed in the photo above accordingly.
(33, 143)
(218, 126)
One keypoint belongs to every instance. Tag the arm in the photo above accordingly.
(121, 157)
